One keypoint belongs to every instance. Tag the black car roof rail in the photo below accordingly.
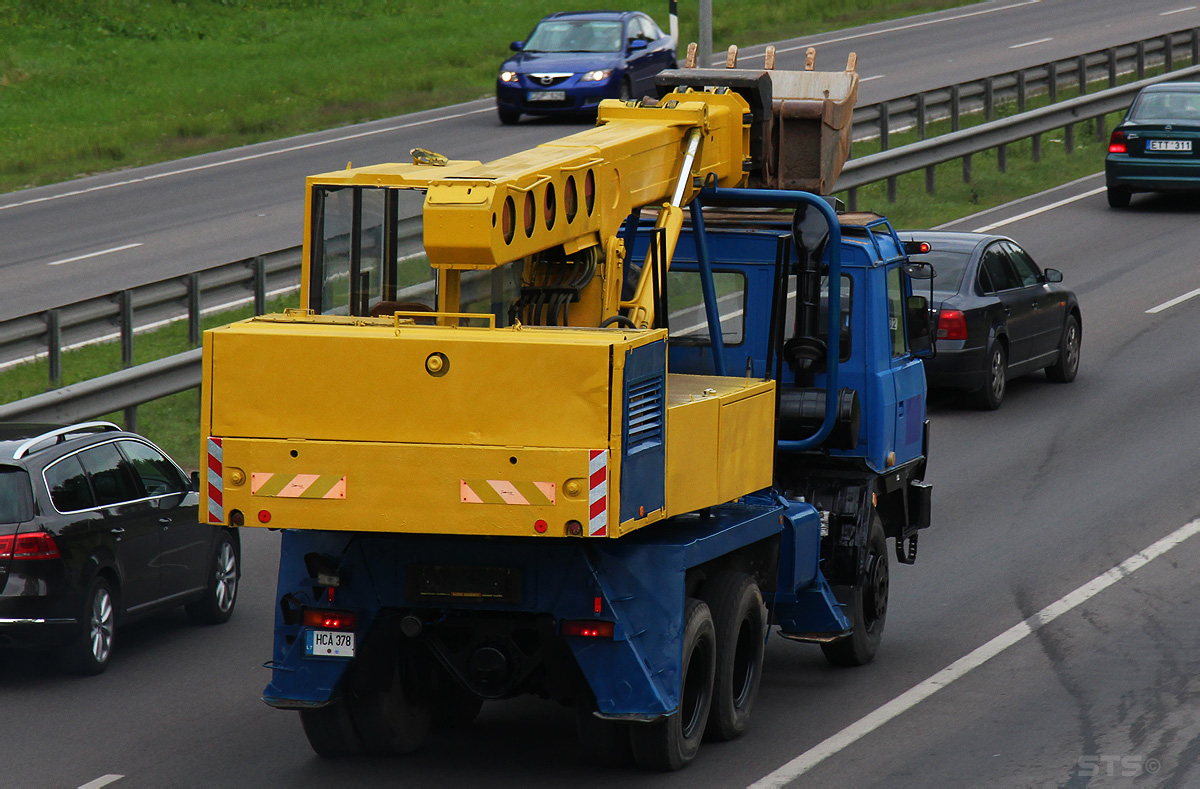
(61, 434)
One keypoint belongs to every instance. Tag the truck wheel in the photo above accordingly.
(393, 717)
(606, 743)
(739, 620)
(991, 395)
(330, 731)
(671, 743)
(1064, 370)
(866, 605)
(216, 606)
(89, 652)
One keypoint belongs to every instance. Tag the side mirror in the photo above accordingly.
(919, 271)
(196, 481)
(920, 327)
(637, 43)
(516, 46)
(1053, 275)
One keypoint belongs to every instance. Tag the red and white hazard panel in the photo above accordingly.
(216, 482)
(598, 493)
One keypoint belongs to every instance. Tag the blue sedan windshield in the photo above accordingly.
(561, 35)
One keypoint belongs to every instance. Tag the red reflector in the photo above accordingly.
(924, 246)
(540, 526)
(597, 605)
(330, 620)
(1116, 143)
(588, 629)
(952, 325)
(264, 516)
(27, 547)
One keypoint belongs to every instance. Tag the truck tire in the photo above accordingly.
(739, 619)
(330, 731)
(605, 743)
(865, 603)
(1063, 370)
(394, 715)
(671, 743)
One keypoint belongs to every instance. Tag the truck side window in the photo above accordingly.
(895, 297)
(844, 338)
(685, 301)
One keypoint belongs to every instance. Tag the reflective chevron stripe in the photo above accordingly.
(505, 491)
(297, 486)
(216, 482)
(598, 493)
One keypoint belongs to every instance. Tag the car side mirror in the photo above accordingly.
(516, 46)
(636, 44)
(196, 481)
(1053, 275)
(920, 327)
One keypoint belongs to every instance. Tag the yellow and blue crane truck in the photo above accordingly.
(655, 397)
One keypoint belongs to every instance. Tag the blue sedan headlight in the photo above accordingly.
(596, 76)
(508, 76)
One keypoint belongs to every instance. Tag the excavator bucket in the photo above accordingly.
(801, 120)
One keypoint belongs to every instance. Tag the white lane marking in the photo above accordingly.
(910, 26)
(868, 79)
(1031, 43)
(103, 780)
(999, 209)
(1166, 305)
(92, 254)
(1178, 11)
(1036, 211)
(1015, 634)
(240, 159)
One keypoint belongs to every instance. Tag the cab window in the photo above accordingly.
(895, 298)
(686, 315)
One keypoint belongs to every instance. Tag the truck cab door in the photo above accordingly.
(908, 374)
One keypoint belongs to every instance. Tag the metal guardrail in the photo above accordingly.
(255, 279)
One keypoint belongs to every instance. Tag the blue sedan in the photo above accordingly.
(1157, 147)
(571, 61)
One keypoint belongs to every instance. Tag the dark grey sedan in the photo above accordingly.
(998, 315)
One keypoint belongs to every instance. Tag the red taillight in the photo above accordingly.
(27, 547)
(588, 629)
(1116, 143)
(952, 325)
(330, 620)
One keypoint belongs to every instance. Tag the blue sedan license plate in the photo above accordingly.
(546, 95)
(329, 643)
(1169, 146)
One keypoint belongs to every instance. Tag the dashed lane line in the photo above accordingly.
(93, 254)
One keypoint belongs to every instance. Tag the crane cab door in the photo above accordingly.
(908, 374)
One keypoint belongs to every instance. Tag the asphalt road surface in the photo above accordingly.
(1014, 654)
(84, 238)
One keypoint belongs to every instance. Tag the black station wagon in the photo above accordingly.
(98, 527)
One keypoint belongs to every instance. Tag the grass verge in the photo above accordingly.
(94, 85)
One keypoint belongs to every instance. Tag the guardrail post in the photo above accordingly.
(1141, 60)
(1021, 90)
(954, 107)
(1100, 128)
(1037, 147)
(891, 189)
(1168, 53)
(1002, 158)
(193, 308)
(920, 110)
(1052, 81)
(929, 180)
(1081, 73)
(966, 169)
(852, 199)
(260, 285)
(54, 347)
(1111, 53)
(989, 98)
(125, 299)
(131, 419)
(1069, 137)
(884, 122)
(1195, 46)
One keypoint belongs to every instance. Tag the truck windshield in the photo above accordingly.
(16, 500)
(689, 323)
(365, 253)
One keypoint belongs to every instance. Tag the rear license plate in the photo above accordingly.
(546, 95)
(1169, 146)
(329, 643)
(445, 583)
